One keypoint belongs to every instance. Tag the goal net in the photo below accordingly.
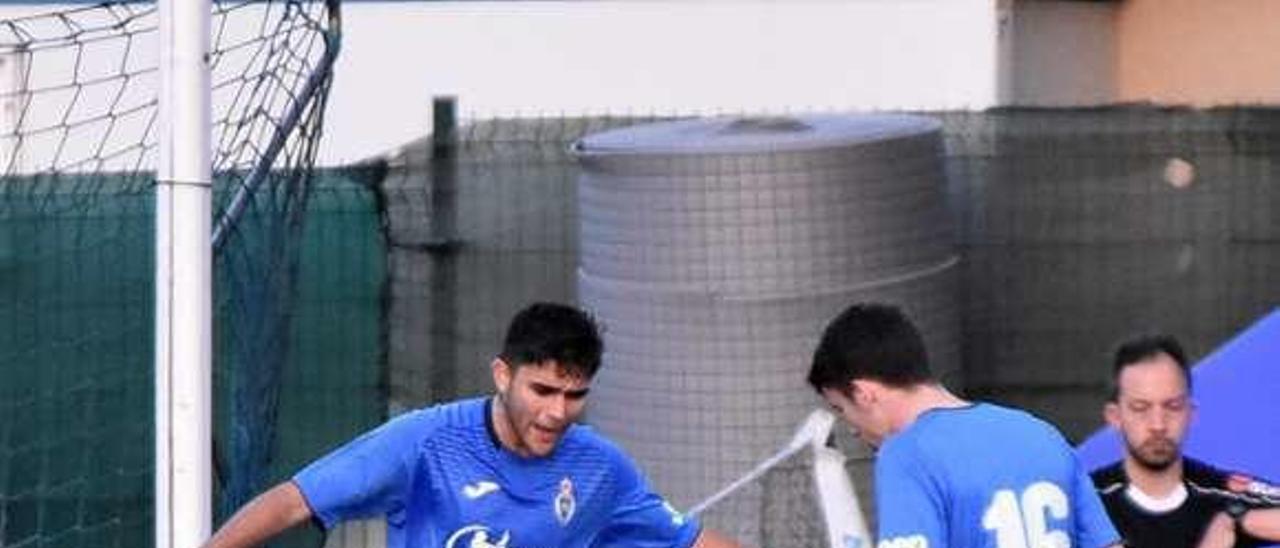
(78, 154)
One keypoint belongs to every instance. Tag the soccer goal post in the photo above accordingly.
(183, 280)
(127, 130)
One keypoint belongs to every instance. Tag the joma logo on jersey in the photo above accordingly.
(479, 489)
(478, 536)
(913, 541)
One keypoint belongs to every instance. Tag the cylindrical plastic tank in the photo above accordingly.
(715, 250)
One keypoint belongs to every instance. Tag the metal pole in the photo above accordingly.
(183, 280)
(442, 248)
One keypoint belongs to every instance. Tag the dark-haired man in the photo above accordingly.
(1157, 497)
(948, 472)
(506, 471)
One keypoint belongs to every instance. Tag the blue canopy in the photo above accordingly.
(1237, 422)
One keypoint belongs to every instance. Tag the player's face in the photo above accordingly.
(1152, 411)
(536, 404)
(858, 410)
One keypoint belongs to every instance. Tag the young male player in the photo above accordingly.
(1157, 497)
(509, 471)
(948, 472)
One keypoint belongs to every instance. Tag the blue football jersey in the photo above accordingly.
(441, 480)
(985, 476)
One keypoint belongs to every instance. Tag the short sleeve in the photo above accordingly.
(642, 518)
(909, 505)
(1093, 527)
(369, 476)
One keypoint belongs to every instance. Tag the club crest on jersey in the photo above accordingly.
(564, 504)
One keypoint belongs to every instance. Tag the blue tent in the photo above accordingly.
(1237, 422)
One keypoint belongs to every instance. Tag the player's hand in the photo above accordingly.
(1221, 532)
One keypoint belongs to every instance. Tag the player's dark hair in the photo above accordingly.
(1143, 348)
(550, 332)
(870, 341)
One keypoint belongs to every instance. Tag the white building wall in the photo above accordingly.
(651, 56)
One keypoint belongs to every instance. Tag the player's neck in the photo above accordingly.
(502, 427)
(923, 398)
(1156, 483)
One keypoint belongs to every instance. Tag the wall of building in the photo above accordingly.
(508, 59)
(1198, 52)
(1062, 54)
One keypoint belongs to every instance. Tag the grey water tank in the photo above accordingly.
(715, 250)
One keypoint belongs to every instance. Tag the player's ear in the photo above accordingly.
(862, 392)
(501, 375)
(1111, 412)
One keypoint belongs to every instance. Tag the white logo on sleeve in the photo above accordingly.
(478, 489)
(913, 541)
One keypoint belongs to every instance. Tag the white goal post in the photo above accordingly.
(183, 280)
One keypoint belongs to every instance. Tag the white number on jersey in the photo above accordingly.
(1023, 522)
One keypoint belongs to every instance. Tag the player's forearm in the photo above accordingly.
(1263, 523)
(264, 517)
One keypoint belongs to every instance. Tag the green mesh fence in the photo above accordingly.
(297, 373)
(75, 363)
(76, 339)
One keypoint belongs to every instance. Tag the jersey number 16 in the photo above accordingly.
(1022, 522)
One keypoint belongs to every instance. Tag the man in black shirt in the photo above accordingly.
(1156, 497)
